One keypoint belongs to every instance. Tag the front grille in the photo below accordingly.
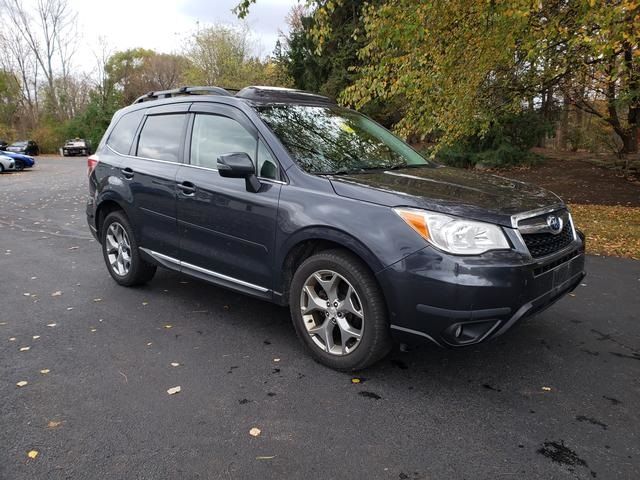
(556, 263)
(543, 244)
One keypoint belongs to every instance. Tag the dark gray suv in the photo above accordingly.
(285, 196)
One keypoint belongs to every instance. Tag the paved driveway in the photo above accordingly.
(558, 397)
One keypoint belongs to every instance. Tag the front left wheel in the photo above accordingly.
(339, 312)
(120, 252)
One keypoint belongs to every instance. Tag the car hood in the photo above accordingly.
(447, 190)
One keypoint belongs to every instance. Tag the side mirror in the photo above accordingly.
(239, 165)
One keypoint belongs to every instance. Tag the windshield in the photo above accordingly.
(19, 144)
(333, 140)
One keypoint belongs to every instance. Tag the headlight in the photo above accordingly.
(453, 234)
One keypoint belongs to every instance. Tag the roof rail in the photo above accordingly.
(182, 91)
(275, 94)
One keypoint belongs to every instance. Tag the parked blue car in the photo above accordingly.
(22, 161)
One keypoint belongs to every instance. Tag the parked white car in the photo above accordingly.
(7, 164)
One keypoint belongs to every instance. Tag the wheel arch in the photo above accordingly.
(108, 204)
(310, 241)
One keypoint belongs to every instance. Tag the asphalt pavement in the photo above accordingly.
(557, 397)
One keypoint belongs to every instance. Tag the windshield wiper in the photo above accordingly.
(339, 171)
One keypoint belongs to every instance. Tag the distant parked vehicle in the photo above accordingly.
(21, 161)
(7, 164)
(76, 146)
(26, 147)
(3, 145)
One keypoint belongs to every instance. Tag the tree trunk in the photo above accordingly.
(563, 129)
(630, 140)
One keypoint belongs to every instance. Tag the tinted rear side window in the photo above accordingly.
(122, 135)
(161, 137)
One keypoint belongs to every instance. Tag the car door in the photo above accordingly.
(151, 174)
(227, 232)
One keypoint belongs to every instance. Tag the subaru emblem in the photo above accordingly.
(554, 223)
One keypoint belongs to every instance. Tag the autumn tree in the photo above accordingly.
(137, 71)
(225, 56)
(461, 67)
(41, 41)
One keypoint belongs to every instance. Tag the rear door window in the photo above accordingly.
(161, 137)
(121, 136)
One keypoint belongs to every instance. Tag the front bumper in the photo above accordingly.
(75, 151)
(456, 301)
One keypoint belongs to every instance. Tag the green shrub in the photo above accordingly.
(48, 137)
(506, 144)
(455, 157)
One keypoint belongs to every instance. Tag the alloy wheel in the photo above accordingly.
(118, 249)
(332, 312)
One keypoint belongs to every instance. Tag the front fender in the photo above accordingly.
(330, 234)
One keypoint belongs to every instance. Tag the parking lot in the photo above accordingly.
(558, 397)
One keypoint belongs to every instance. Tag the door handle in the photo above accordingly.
(187, 188)
(127, 173)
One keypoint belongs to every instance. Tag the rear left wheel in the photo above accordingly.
(120, 252)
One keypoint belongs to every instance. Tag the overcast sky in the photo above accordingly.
(163, 25)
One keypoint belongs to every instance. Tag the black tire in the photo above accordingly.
(140, 271)
(19, 166)
(1, 168)
(375, 342)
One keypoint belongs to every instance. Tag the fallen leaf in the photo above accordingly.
(51, 324)
(12, 339)
(572, 294)
(175, 364)
(73, 248)
(56, 294)
(53, 424)
(69, 308)
(97, 300)
(34, 278)
(355, 380)
(168, 326)
(144, 304)
(546, 389)
(3, 323)
(22, 383)
(226, 307)
(174, 390)
(276, 359)
(149, 344)
(35, 337)
(44, 371)
(24, 349)
(254, 432)
(32, 454)
(266, 458)
(26, 294)
(94, 330)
